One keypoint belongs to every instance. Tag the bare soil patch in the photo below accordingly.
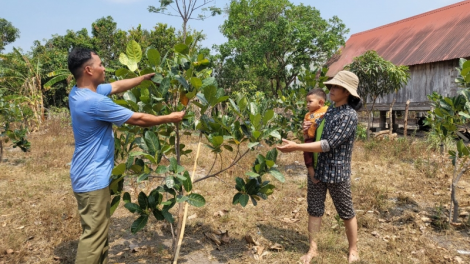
(400, 190)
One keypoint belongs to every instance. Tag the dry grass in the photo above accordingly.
(400, 191)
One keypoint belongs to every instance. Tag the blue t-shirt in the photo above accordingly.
(93, 115)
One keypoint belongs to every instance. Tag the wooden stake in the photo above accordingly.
(180, 241)
(406, 117)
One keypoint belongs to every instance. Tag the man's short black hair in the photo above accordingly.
(318, 92)
(78, 57)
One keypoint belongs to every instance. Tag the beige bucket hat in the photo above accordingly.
(347, 80)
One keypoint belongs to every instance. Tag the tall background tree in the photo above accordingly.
(8, 33)
(185, 9)
(378, 77)
(270, 42)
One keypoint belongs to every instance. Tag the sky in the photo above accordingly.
(40, 19)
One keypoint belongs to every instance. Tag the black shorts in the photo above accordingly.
(340, 194)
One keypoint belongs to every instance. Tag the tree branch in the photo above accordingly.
(230, 166)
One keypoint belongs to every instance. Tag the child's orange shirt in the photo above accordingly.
(312, 117)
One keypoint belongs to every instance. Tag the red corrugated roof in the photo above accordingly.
(437, 35)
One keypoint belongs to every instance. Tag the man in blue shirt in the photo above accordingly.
(93, 115)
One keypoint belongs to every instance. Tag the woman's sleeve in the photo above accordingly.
(341, 130)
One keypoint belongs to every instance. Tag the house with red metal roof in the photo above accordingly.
(430, 44)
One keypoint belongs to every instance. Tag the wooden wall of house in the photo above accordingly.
(424, 79)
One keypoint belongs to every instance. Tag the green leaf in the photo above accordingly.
(126, 197)
(153, 143)
(252, 174)
(256, 134)
(196, 82)
(236, 198)
(158, 214)
(183, 82)
(277, 174)
(123, 59)
(189, 40)
(187, 184)
(119, 169)
(240, 184)
(139, 223)
(154, 57)
(132, 207)
(217, 141)
(168, 216)
(244, 199)
(133, 51)
(143, 201)
(268, 116)
(252, 144)
(182, 48)
(114, 204)
(267, 189)
(173, 164)
(275, 134)
(270, 163)
(170, 181)
(196, 200)
(227, 147)
(129, 96)
(272, 155)
(161, 169)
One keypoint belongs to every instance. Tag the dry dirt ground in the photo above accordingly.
(400, 191)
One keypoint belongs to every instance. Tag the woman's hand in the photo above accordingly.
(289, 147)
(306, 125)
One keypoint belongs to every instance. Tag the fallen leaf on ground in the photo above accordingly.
(192, 216)
(213, 237)
(10, 251)
(57, 258)
(225, 238)
(277, 247)
(249, 239)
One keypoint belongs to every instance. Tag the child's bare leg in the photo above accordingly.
(311, 173)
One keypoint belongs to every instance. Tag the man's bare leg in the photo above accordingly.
(351, 233)
(314, 224)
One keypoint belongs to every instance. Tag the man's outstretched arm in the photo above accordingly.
(127, 84)
(147, 120)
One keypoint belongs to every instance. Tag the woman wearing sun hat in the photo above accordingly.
(333, 171)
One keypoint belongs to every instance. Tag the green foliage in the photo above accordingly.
(361, 132)
(12, 117)
(378, 76)
(270, 43)
(183, 81)
(8, 33)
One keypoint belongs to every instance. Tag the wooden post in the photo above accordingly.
(383, 119)
(406, 117)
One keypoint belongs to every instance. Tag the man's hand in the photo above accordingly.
(148, 76)
(176, 117)
(289, 147)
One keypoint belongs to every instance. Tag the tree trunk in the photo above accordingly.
(391, 116)
(1, 150)
(455, 214)
(406, 118)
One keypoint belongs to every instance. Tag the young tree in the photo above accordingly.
(278, 40)
(185, 10)
(8, 33)
(183, 80)
(378, 77)
(450, 114)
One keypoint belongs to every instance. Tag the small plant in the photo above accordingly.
(361, 132)
(439, 219)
